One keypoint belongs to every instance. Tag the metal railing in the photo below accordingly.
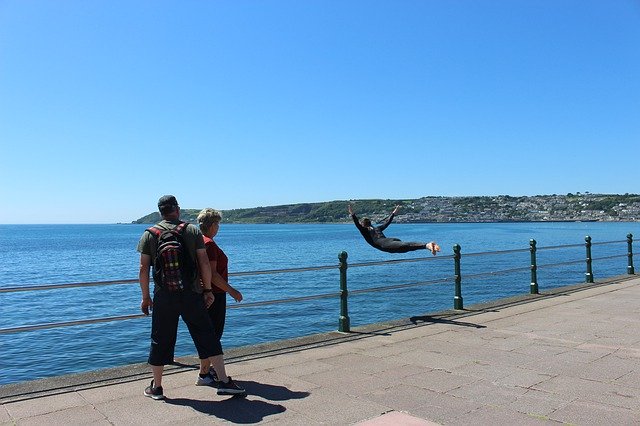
(343, 294)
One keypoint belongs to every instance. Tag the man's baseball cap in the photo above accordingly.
(167, 200)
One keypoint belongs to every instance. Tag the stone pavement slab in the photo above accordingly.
(396, 418)
(571, 356)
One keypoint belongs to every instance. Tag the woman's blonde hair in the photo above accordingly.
(208, 217)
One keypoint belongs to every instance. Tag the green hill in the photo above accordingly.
(326, 212)
(499, 208)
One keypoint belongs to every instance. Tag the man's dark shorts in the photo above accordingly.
(167, 308)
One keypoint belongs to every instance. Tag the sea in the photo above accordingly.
(401, 285)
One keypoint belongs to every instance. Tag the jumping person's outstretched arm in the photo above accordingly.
(355, 219)
(389, 219)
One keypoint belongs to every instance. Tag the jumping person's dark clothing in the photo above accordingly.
(377, 239)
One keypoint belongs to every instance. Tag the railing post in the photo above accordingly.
(589, 275)
(343, 323)
(534, 267)
(630, 269)
(457, 298)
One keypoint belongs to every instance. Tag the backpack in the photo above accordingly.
(173, 268)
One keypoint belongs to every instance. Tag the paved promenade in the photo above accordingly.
(572, 357)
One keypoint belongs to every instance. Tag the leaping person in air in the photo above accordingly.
(374, 236)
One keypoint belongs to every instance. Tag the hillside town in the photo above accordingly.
(503, 208)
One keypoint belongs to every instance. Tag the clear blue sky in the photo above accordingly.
(106, 105)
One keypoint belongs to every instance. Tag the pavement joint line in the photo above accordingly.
(534, 336)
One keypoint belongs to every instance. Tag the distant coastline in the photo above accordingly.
(478, 209)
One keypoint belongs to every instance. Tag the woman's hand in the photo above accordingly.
(350, 210)
(395, 211)
(237, 296)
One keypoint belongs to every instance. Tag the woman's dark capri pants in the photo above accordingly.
(218, 312)
(167, 308)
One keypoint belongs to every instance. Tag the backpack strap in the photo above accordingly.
(181, 227)
(157, 231)
(154, 230)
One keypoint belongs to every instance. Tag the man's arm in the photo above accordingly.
(205, 275)
(204, 267)
(144, 278)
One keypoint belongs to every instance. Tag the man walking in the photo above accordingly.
(178, 255)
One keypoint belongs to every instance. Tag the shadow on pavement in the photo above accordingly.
(271, 392)
(241, 409)
(427, 318)
(235, 409)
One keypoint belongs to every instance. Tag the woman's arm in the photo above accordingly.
(218, 281)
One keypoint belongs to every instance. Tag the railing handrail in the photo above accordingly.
(602, 243)
(38, 287)
(35, 327)
(455, 278)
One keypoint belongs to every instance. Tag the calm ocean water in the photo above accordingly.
(47, 254)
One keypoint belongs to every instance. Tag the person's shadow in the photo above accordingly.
(244, 409)
(430, 319)
(272, 392)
